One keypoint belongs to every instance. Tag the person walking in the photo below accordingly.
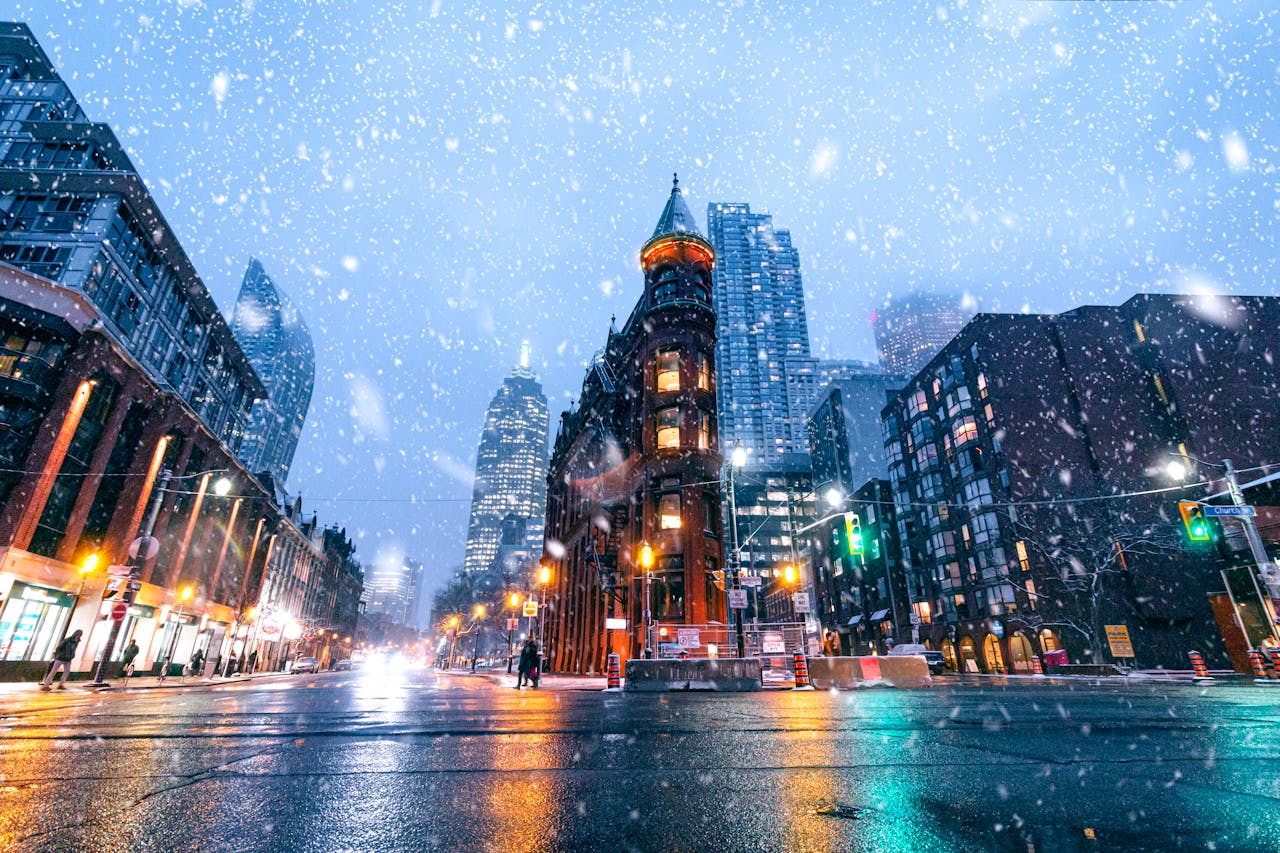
(528, 663)
(62, 658)
(127, 658)
(231, 665)
(253, 662)
(216, 669)
(197, 663)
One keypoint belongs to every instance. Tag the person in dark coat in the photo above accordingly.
(62, 658)
(528, 667)
(253, 662)
(127, 657)
(216, 669)
(197, 663)
(231, 665)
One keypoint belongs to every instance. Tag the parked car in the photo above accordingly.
(306, 665)
(936, 663)
(344, 665)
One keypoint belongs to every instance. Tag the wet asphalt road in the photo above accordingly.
(423, 761)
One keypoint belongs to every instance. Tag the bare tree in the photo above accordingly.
(1090, 565)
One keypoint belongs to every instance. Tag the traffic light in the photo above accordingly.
(853, 533)
(1195, 522)
(717, 577)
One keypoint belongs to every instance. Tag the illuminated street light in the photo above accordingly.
(222, 487)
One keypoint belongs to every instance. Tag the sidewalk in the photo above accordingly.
(550, 681)
(136, 683)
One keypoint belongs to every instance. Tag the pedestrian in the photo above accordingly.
(62, 658)
(127, 657)
(197, 663)
(216, 669)
(253, 662)
(231, 665)
(528, 663)
(830, 645)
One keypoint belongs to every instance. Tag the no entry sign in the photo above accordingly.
(118, 610)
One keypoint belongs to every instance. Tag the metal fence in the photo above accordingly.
(773, 643)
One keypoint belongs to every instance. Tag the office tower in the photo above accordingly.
(912, 329)
(276, 340)
(74, 210)
(511, 464)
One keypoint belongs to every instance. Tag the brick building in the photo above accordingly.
(636, 461)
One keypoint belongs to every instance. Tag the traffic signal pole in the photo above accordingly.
(737, 576)
(1259, 551)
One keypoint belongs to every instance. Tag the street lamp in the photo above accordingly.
(544, 578)
(453, 638)
(645, 558)
(738, 459)
(86, 568)
(475, 649)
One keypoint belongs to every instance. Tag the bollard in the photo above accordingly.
(615, 679)
(1262, 677)
(802, 672)
(1036, 668)
(1197, 665)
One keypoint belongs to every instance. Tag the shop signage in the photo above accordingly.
(44, 596)
(997, 629)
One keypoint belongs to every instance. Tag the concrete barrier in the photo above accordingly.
(730, 675)
(845, 673)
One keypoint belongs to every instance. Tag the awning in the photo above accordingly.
(855, 620)
(878, 615)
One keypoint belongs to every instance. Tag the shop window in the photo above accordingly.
(669, 370)
(669, 427)
(669, 511)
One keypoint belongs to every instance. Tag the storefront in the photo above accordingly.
(138, 625)
(31, 621)
(176, 641)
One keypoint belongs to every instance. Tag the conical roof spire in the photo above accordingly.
(676, 217)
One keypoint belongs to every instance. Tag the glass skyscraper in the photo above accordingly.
(274, 336)
(762, 333)
(511, 467)
(912, 329)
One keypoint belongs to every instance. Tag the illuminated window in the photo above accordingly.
(1021, 547)
(965, 430)
(669, 511)
(704, 430)
(1137, 327)
(704, 372)
(669, 427)
(669, 370)
(1031, 593)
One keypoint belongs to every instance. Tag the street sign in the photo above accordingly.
(112, 589)
(118, 571)
(752, 580)
(1228, 511)
(119, 610)
(997, 629)
(531, 608)
(1118, 640)
(915, 618)
(800, 601)
(147, 546)
(688, 638)
(738, 599)
(513, 624)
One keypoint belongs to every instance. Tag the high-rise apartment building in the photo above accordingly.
(74, 210)
(846, 447)
(762, 332)
(511, 465)
(276, 340)
(391, 589)
(912, 329)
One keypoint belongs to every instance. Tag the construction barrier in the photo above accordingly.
(1197, 665)
(1274, 654)
(615, 673)
(1261, 676)
(802, 671)
(1036, 668)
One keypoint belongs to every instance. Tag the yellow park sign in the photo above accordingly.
(1118, 640)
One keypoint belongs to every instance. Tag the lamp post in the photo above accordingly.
(512, 602)
(737, 460)
(475, 649)
(646, 563)
(544, 578)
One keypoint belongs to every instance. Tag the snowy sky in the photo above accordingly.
(435, 182)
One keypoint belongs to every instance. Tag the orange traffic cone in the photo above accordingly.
(615, 677)
(1197, 665)
(1274, 654)
(802, 671)
(1262, 677)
